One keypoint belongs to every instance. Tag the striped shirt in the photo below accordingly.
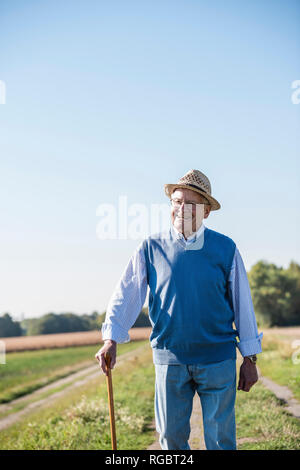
(130, 294)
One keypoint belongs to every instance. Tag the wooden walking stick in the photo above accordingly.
(110, 402)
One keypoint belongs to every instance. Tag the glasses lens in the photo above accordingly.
(187, 205)
(176, 203)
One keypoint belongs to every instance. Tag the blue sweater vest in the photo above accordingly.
(189, 308)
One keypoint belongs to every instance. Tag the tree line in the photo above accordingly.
(275, 293)
(59, 323)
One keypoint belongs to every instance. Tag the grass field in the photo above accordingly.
(27, 371)
(80, 419)
(262, 421)
(276, 360)
(64, 340)
(261, 417)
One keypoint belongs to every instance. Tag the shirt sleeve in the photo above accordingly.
(244, 316)
(127, 299)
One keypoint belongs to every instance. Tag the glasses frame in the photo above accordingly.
(193, 204)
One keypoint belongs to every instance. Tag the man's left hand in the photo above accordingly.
(248, 375)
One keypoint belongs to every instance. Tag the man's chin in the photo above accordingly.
(181, 224)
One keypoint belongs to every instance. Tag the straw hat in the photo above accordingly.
(198, 182)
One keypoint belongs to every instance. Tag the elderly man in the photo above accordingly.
(198, 290)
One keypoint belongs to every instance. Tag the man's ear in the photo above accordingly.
(207, 210)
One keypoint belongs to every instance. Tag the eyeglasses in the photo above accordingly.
(177, 203)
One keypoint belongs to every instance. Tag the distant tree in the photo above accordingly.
(141, 321)
(94, 320)
(276, 293)
(58, 323)
(101, 319)
(293, 272)
(68, 322)
(28, 326)
(8, 327)
(62, 323)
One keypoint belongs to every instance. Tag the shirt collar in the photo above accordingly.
(192, 237)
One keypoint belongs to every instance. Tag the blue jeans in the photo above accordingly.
(175, 387)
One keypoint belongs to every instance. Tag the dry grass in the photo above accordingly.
(64, 340)
(280, 341)
(293, 331)
(277, 344)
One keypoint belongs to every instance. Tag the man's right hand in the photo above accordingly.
(110, 347)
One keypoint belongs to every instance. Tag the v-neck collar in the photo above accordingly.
(196, 244)
(191, 238)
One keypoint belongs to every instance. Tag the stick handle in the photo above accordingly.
(111, 403)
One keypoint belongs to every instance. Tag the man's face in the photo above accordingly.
(188, 210)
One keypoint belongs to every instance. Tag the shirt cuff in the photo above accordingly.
(114, 332)
(250, 346)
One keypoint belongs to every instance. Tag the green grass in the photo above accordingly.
(275, 362)
(80, 420)
(14, 408)
(282, 371)
(261, 417)
(27, 371)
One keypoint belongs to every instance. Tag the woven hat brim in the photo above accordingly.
(169, 188)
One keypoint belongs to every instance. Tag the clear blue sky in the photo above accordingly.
(117, 98)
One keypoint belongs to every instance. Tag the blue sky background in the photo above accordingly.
(117, 98)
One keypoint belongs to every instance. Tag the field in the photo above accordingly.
(80, 420)
(262, 419)
(280, 360)
(63, 340)
(30, 370)
(72, 417)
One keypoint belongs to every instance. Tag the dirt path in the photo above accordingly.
(284, 394)
(57, 383)
(196, 440)
(73, 381)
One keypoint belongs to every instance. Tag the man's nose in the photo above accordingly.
(184, 213)
(185, 207)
